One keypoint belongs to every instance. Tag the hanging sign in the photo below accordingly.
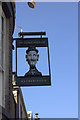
(33, 77)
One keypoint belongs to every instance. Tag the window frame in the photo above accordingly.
(2, 40)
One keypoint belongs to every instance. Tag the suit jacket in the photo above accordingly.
(33, 72)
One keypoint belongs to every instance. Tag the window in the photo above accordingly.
(1, 42)
(2, 55)
(0, 38)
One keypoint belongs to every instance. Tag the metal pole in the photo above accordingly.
(49, 61)
(16, 57)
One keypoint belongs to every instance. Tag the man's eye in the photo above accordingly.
(34, 54)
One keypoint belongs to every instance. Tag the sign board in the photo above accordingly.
(32, 80)
(26, 42)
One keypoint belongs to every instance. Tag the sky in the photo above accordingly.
(60, 22)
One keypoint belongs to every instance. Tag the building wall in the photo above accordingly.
(12, 105)
(79, 60)
(7, 18)
(2, 54)
(20, 107)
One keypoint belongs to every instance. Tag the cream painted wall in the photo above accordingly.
(23, 112)
(20, 103)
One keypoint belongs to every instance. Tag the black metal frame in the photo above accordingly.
(36, 80)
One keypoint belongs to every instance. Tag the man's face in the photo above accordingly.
(32, 58)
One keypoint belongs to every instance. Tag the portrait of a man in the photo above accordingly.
(32, 57)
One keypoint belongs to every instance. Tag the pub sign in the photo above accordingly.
(33, 77)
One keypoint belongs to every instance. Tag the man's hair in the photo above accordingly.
(32, 48)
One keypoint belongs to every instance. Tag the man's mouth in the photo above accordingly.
(32, 60)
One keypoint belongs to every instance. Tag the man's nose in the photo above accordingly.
(32, 57)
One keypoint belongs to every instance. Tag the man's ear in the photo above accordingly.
(26, 58)
(37, 57)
